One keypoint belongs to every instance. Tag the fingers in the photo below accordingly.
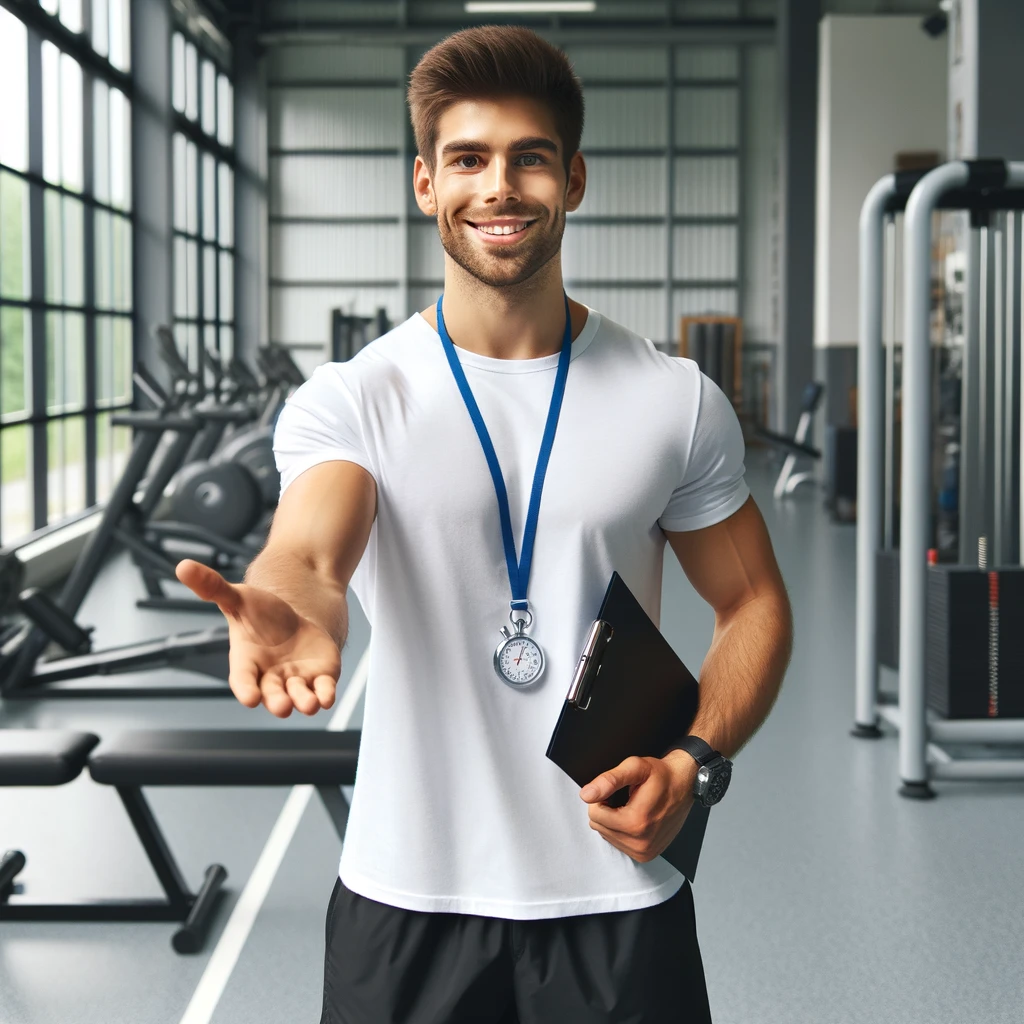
(208, 584)
(302, 696)
(634, 771)
(325, 688)
(281, 691)
(244, 683)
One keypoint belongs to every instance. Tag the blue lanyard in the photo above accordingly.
(518, 573)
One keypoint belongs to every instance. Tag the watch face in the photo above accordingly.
(717, 785)
(519, 661)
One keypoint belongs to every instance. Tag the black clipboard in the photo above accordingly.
(630, 696)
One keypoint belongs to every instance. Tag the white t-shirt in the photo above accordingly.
(456, 808)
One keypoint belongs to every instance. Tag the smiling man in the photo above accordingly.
(487, 465)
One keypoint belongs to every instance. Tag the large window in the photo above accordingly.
(65, 260)
(204, 219)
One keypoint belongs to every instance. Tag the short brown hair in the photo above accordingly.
(491, 61)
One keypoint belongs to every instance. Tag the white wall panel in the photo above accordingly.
(303, 315)
(625, 118)
(624, 186)
(707, 117)
(325, 62)
(707, 186)
(333, 252)
(632, 63)
(707, 62)
(426, 256)
(310, 118)
(336, 186)
(623, 252)
(705, 252)
(760, 182)
(640, 309)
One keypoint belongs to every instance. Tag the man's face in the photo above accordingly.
(499, 188)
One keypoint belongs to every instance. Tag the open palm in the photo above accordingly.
(277, 657)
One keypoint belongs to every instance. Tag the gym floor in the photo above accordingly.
(822, 895)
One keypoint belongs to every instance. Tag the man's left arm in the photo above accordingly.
(733, 567)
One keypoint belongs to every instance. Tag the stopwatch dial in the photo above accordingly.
(520, 661)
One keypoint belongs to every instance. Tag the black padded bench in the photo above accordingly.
(172, 757)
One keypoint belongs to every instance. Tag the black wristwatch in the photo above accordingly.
(715, 770)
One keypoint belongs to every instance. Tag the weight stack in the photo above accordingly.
(957, 654)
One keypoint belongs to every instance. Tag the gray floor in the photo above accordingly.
(822, 896)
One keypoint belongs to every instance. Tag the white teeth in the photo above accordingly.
(502, 229)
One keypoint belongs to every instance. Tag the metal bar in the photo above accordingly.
(997, 553)
(436, 283)
(36, 177)
(337, 807)
(750, 30)
(964, 769)
(37, 288)
(192, 131)
(741, 205)
(60, 307)
(13, 420)
(916, 464)
(869, 449)
(157, 850)
(670, 192)
(889, 279)
(89, 269)
(1008, 731)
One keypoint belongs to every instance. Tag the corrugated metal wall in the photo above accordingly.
(345, 232)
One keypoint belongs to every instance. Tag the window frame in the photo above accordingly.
(39, 416)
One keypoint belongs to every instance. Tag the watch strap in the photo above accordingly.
(701, 751)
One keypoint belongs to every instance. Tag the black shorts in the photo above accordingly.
(385, 965)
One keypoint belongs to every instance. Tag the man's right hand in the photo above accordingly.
(277, 657)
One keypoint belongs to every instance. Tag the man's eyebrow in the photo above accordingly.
(516, 145)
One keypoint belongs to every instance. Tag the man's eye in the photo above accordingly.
(531, 160)
(461, 162)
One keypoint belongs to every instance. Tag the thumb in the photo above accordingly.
(208, 584)
(631, 772)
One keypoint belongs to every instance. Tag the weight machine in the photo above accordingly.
(989, 476)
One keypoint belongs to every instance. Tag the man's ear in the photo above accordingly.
(577, 183)
(423, 187)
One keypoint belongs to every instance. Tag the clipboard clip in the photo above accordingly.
(589, 664)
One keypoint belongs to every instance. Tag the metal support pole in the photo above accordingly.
(889, 280)
(971, 511)
(869, 452)
(916, 467)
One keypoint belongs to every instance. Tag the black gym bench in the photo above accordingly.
(172, 757)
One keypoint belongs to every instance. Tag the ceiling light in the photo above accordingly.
(530, 7)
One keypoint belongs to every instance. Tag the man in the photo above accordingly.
(477, 883)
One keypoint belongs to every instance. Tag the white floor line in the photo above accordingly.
(229, 947)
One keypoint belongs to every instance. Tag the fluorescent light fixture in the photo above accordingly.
(530, 6)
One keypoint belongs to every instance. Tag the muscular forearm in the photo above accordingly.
(743, 672)
(314, 595)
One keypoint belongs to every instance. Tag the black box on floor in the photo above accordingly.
(957, 653)
(841, 472)
(887, 608)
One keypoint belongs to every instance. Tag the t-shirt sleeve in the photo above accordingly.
(320, 422)
(713, 485)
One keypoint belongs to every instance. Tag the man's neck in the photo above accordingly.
(525, 321)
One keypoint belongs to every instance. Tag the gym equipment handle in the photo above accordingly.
(147, 421)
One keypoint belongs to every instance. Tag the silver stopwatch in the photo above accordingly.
(518, 660)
